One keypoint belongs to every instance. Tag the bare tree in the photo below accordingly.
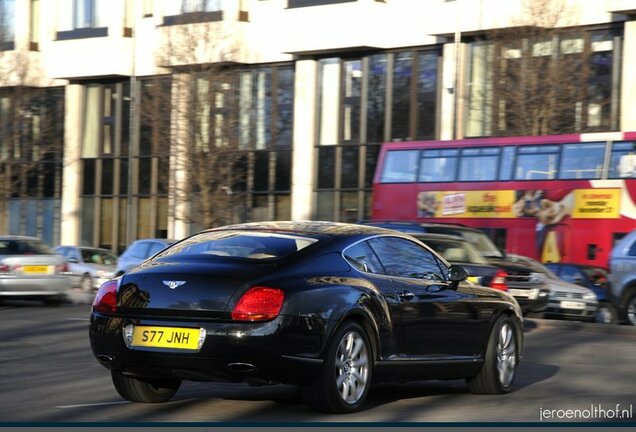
(534, 78)
(204, 114)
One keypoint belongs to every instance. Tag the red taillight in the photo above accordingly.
(499, 280)
(259, 304)
(6, 269)
(106, 298)
(61, 268)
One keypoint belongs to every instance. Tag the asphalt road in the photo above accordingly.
(48, 374)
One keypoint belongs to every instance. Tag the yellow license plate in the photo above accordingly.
(166, 337)
(35, 269)
(474, 279)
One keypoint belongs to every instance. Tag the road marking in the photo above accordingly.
(79, 319)
(92, 405)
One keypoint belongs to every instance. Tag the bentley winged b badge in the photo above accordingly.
(173, 284)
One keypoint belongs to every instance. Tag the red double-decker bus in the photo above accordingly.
(561, 198)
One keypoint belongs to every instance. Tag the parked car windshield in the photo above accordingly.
(94, 256)
(240, 244)
(454, 251)
(24, 247)
(478, 239)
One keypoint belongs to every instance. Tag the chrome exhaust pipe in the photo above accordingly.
(105, 358)
(243, 368)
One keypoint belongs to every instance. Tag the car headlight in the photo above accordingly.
(589, 296)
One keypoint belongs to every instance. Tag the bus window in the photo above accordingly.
(479, 164)
(623, 163)
(438, 165)
(582, 161)
(400, 166)
(537, 162)
(507, 162)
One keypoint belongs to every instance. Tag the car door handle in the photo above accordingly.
(405, 295)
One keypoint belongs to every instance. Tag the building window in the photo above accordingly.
(7, 25)
(544, 82)
(192, 11)
(241, 152)
(31, 150)
(83, 19)
(352, 127)
(306, 3)
(115, 173)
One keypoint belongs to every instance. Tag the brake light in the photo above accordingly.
(499, 280)
(106, 297)
(61, 268)
(6, 269)
(259, 304)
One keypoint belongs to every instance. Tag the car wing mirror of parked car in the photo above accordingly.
(456, 274)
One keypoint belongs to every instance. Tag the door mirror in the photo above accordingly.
(72, 260)
(456, 274)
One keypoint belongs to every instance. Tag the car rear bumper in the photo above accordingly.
(555, 308)
(283, 350)
(11, 286)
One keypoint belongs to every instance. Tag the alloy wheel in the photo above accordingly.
(506, 355)
(352, 367)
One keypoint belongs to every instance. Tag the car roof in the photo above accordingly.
(415, 226)
(317, 228)
(18, 237)
(438, 236)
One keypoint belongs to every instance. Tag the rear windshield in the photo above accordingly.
(478, 239)
(240, 244)
(24, 247)
(455, 251)
(94, 256)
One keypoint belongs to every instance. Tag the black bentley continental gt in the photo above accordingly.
(327, 306)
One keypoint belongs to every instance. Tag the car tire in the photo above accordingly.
(606, 314)
(145, 390)
(630, 308)
(86, 284)
(499, 369)
(345, 378)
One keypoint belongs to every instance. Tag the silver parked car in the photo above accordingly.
(29, 269)
(89, 267)
(566, 300)
(622, 265)
(139, 251)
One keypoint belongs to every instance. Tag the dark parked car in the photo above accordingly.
(594, 278)
(330, 307)
(458, 251)
(139, 251)
(525, 284)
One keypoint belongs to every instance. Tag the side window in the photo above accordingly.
(139, 250)
(154, 248)
(362, 258)
(404, 258)
(632, 250)
(571, 274)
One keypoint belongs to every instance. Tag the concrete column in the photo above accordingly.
(451, 101)
(71, 177)
(628, 84)
(178, 200)
(305, 112)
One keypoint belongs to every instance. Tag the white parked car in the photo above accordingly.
(88, 267)
(566, 300)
